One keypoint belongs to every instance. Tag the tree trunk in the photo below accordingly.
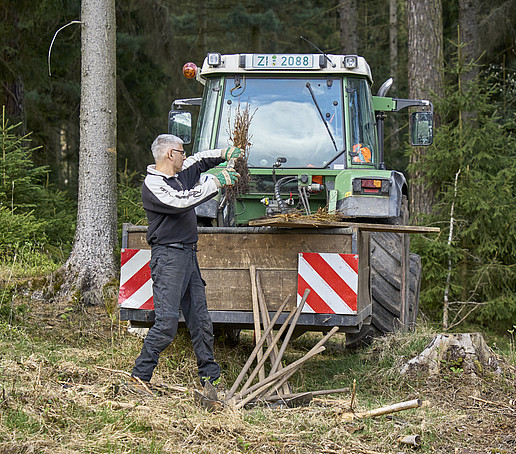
(11, 88)
(203, 27)
(393, 38)
(468, 20)
(256, 39)
(92, 261)
(392, 120)
(425, 71)
(348, 26)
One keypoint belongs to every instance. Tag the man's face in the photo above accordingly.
(177, 156)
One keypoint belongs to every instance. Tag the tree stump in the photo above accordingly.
(466, 353)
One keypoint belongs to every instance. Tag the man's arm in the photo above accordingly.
(158, 196)
(208, 159)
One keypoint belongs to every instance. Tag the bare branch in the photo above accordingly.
(54, 38)
(450, 237)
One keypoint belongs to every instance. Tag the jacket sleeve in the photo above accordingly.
(159, 197)
(204, 160)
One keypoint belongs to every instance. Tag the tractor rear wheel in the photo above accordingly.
(386, 280)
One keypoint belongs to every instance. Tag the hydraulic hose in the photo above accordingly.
(277, 193)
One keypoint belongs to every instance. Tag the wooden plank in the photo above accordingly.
(364, 276)
(137, 240)
(300, 223)
(231, 289)
(265, 251)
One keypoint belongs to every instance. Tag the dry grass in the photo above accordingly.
(64, 389)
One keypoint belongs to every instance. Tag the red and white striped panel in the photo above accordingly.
(332, 280)
(135, 280)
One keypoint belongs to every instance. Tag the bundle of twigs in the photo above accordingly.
(240, 138)
(321, 215)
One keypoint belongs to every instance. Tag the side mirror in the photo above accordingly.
(422, 128)
(180, 124)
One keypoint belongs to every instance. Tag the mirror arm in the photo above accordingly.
(179, 103)
(404, 103)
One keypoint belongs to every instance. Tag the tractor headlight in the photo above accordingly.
(214, 58)
(350, 61)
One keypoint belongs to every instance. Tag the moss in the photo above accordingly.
(39, 283)
(110, 296)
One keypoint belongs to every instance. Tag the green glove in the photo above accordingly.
(226, 178)
(231, 153)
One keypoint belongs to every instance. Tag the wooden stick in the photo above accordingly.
(412, 440)
(390, 409)
(181, 389)
(124, 372)
(257, 392)
(324, 339)
(314, 393)
(260, 387)
(272, 378)
(268, 351)
(265, 315)
(256, 316)
(353, 394)
(256, 349)
(266, 321)
(490, 402)
(289, 332)
(276, 386)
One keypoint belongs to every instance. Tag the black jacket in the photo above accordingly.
(170, 201)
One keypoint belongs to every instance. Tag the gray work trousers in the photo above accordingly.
(177, 283)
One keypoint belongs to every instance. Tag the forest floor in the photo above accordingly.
(64, 388)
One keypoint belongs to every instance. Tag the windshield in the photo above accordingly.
(286, 120)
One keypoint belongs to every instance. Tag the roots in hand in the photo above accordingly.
(242, 185)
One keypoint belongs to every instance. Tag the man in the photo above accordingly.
(170, 193)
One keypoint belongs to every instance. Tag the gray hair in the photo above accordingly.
(162, 144)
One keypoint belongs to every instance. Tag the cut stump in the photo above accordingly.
(464, 352)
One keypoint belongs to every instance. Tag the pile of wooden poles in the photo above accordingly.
(274, 386)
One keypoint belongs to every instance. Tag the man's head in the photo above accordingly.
(168, 153)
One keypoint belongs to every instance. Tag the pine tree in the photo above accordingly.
(480, 154)
(92, 261)
(30, 212)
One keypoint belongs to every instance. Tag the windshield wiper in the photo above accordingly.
(321, 115)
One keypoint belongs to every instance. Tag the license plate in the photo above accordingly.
(282, 61)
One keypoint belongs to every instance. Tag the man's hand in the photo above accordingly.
(226, 177)
(231, 153)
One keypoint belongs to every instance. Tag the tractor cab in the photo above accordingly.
(311, 117)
